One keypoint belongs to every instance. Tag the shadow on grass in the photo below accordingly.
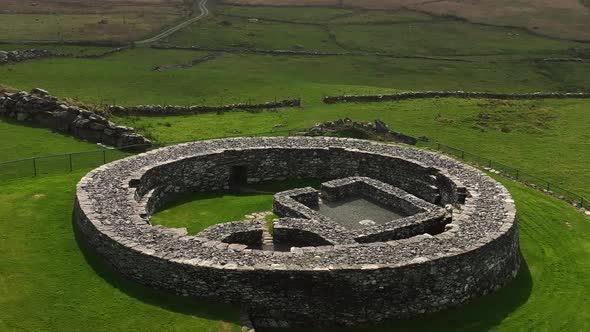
(479, 315)
(178, 304)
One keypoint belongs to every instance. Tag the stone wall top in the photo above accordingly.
(486, 215)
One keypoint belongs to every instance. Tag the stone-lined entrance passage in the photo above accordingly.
(457, 238)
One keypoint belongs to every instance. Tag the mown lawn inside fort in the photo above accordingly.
(197, 211)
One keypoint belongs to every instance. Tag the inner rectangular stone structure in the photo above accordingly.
(357, 212)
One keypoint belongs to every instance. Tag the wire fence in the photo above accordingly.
(511, 172)
(69, 162)
(63, 163)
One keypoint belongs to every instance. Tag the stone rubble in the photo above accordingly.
(41, 108)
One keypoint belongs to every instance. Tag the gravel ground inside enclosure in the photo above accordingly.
(357, 213)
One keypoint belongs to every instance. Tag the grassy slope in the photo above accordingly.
(299, 14)
(47, 283)
(19, 141)
(376, 31)
(446, 38)
(552, 282)
(126, 78)
(221, 32)
(118, 27)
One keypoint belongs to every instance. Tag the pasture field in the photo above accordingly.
(84, 20)
(398, 32)
(566, 19)
(21, 141)
(537, 133)
(49, 282)
(128, 78)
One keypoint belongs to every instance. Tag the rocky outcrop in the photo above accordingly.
(196, 109)
(378, 131)
(453, 94)
(41, 108)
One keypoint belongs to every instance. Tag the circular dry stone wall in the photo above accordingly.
(341, 284)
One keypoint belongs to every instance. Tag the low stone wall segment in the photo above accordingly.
(452, 94)
(199, 109)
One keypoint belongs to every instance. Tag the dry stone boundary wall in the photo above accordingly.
(198, 109)
(454, 94)
(41, 108)
(325, 285)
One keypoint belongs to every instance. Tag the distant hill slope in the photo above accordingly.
(567, 19)
(88, 20)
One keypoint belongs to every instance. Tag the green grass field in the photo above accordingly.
(551, 283)
(222, 32)
(322, 29)
(127, 78)
(546, 133)
(49, 283)
(21, 141)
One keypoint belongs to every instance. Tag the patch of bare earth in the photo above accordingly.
(567, 19)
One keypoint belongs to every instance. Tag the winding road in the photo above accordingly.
(164, 34)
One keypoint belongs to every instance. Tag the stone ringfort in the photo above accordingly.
(458, 238)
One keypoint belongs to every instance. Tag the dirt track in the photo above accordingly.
(568, 19)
